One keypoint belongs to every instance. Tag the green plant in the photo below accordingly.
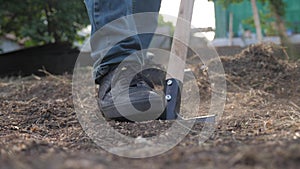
(161, 22)
(40, 22)
(267, 23)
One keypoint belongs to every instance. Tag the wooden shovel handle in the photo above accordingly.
(181, 39)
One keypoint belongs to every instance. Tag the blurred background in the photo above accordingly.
(50, 33)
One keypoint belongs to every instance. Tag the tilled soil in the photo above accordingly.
(260, 126)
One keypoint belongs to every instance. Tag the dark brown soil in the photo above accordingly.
(260, 127)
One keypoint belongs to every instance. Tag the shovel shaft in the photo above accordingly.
(175, 71)
(180, 41)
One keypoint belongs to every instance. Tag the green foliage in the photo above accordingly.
(40, 22)
(161, 22)
(277, 6)
(267, 23)
(226, 3)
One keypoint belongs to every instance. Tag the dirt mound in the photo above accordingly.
(259, 67)
(263, 57)
(262, 67)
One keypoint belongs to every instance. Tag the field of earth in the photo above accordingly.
(259, 128)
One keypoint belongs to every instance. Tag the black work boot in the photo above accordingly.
(126, 94)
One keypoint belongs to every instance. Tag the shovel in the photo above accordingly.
(176, 65)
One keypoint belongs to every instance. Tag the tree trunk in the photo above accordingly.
(257, 21)
(277, 7)
(52, 30)
(231, 29)
(281, 30)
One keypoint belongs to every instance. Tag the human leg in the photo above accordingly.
(147, 21)
(116, 41)
(110, 29)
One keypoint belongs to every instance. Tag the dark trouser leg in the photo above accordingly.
(149, 22)
(117, 40)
